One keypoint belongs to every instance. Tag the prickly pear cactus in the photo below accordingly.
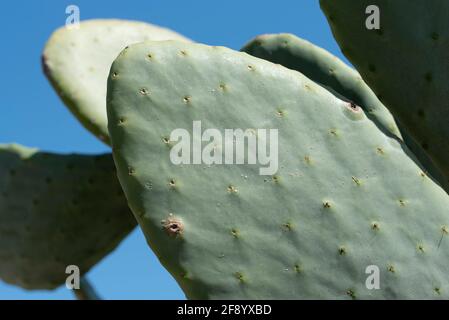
(404, 62)
(326, 69)
(345, 195)
(77, 60)
(56, 211)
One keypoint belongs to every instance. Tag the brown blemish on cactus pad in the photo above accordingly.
(326, 204)
(308, 160)
(173, 226)
(356, 181)
(420, 248)
(144, 91)
(353, 107)
(353, 111)
(280, 113)
(187, 99)
(297, 268)
(351, 293)
(287, 226)
(121, 121)
(239, 277)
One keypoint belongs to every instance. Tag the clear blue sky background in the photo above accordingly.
(34, 116)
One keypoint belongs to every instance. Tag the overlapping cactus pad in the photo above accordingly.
(345, 196)
(405, 62)
(77, 62)
(55, 211)
(326, 69)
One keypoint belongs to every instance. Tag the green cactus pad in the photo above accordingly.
(404, 62)
(77, 61)
(326, 69)
(56, 211)
(345, 197)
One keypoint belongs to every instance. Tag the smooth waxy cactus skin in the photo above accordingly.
(56, 211)
(346, 196)
(404, 62)
(77, 62)
(326, 69)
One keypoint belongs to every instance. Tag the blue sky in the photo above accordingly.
(34, 116)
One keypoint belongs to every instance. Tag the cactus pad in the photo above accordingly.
(77, 63)
(345, 196)
(326, 69)
(404, 62)
(55, 211)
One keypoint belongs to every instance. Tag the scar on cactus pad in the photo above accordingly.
(173, 226)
